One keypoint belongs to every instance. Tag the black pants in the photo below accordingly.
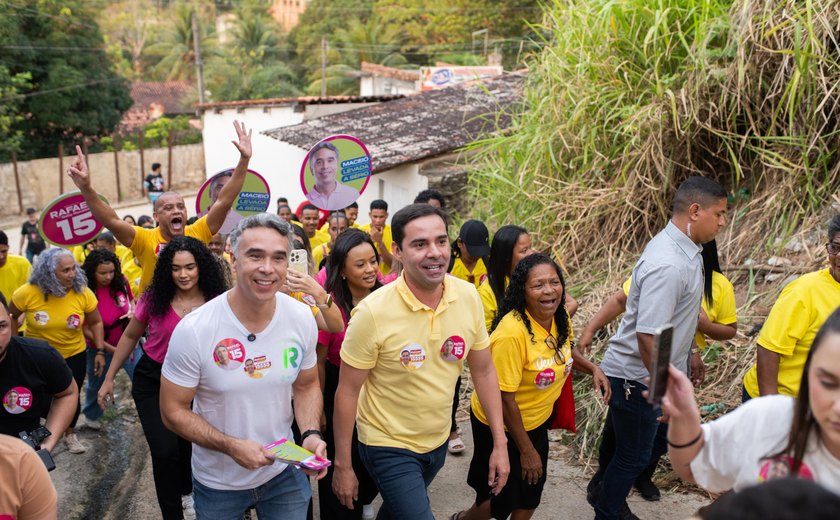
(607, 450)
(330, 506)
(455, 402)
(170, 453)
(78, 365)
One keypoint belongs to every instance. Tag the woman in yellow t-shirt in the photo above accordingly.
(57, 305)
(531, 348)
(469, 251)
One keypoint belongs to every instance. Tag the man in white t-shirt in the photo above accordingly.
(242, 398)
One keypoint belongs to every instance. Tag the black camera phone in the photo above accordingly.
(662, 342)
(34, 439)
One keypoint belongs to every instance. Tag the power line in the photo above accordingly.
(53, 16)
(61, 89)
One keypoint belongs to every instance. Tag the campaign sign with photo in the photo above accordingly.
(67, 221)
(254, 197)
(335, 172)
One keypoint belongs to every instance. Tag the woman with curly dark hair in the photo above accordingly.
(105, 279)
(531, 346)
(186, 276)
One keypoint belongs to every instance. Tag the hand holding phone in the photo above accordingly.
(662, 342)
(299, 261)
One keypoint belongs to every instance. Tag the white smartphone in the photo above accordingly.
(299, 261)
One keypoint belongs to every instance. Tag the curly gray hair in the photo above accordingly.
(43, 273)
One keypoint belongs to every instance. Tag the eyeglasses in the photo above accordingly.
(559, 357)
(833, 248)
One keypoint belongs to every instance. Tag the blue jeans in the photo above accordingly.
(402, 477)
(634, 423)
(286, 496)
(91, 408)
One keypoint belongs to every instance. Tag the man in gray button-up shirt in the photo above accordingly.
(667, 289)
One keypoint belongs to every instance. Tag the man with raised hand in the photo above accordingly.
(395, 383)
(228, 378)
(170, 211)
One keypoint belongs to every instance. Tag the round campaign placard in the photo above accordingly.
(67, 221)
(254, 197)
(335, 172)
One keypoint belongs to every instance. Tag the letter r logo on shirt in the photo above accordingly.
(290, 357)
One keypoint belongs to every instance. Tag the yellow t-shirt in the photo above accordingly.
(133, 273)
(318, 239)
(527, 367)
(319, 253)
(478, 274)
(79, 254)
(387, 238)
(406, 400)
(723, 309)
(307, 299)
(488, 300)
(147, 245)
(13, 275)
(803, 306)
(56, 320)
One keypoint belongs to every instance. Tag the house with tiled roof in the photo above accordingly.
(155, 99)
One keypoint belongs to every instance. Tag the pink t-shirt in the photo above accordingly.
(111, 311)
(333, 341)
(160, 328)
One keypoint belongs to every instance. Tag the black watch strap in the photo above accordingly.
(307, 433)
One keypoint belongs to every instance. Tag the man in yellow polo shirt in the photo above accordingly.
(786, 337)
(380, 232)
(170, 211)
(404, 349)
(14, 269)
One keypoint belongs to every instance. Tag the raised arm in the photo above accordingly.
(122, 230)
(229, 193)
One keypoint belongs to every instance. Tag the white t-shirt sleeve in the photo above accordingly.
(310, 356)
(182, 364)
(735, 443)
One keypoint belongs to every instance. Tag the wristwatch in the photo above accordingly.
(307, 433)
(327, 304)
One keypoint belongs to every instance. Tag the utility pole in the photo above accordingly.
(323, 67)
(199, 65)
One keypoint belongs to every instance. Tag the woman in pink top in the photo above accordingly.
(186, 276)
(353, 267)
(105, 279)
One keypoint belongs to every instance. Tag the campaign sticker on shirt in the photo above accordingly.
(41, 318)
(780, 467)
(254, 197)
(256, 365)
(74, 321)
(545, 378)
(121, 301)
(67, 221)
(453, 349)
(412, 357)
(335, 172)
(229, 354)
(17, 400)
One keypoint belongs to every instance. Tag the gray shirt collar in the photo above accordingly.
(681, 239)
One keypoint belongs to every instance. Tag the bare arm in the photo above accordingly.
(309, 407)
(125, 346)
(530, 461)
(331, 320)
(612, 309)
(177, 415)
(714, 330)
(599, 379)
(20, 247)
(684, 423)
(767, 370)
(345, 483)
(61, 414)
(571, 305)
(229, 193)
(645, 342)
(122, 230)
(487, 387)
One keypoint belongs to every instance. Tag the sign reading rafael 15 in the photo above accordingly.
(433, 78)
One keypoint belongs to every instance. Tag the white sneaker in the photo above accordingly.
(92, 424)
(367, 512)
(188, 505)
(73, 444)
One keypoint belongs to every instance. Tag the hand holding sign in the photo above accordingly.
(67, 220)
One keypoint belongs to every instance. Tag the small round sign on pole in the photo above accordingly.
(67, 221)
(335, 172)
(254, 197)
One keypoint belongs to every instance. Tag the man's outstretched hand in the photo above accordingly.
(244, 136)
(78, 171)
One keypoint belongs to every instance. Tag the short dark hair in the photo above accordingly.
(282, 199)
(411, 212)
(322, 145)
(378, 204)
(30, 211)
(352, 205)
(155, 166)
(426, 195)
(833, 227)
(107, 236)
(783, 498)
(335, 215)
(696, 189)
(309, 207)
(4, 239)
